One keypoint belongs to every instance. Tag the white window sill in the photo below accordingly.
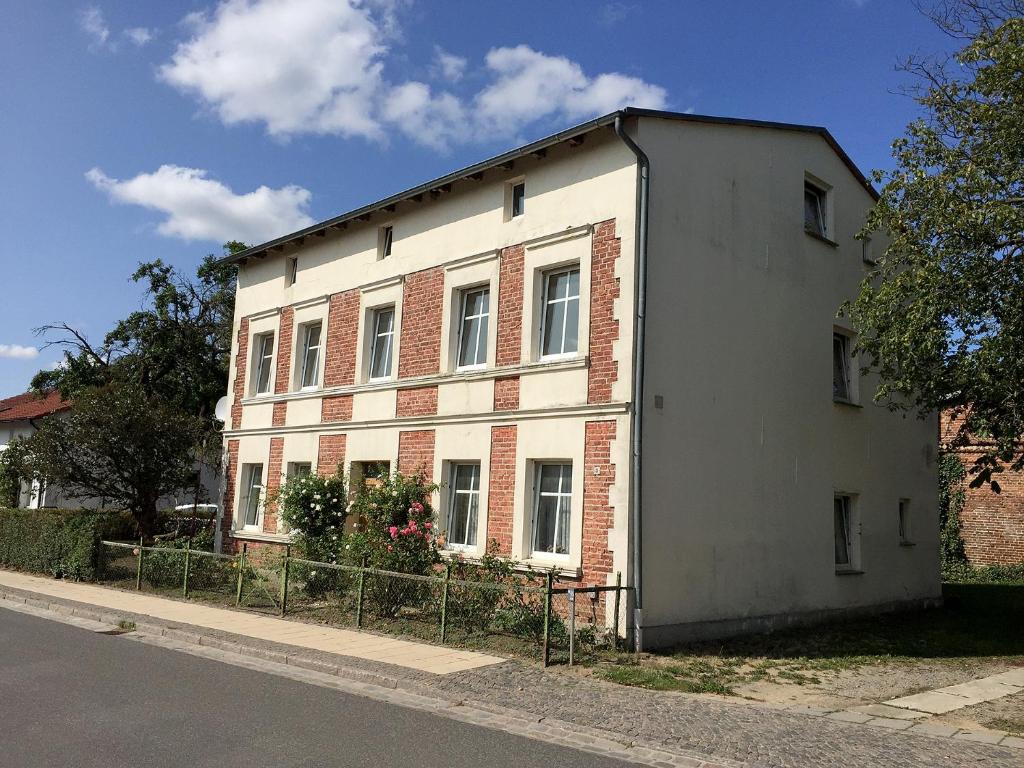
(558, 358)
(310, 388)
(470, 368)
(840, 571)
(252, 534)
(908, 543)
(848, 403)
(823, 238)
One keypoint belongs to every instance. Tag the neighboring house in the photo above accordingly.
(486, 327)
(991, 524)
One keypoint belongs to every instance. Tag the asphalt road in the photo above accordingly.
(73, 698)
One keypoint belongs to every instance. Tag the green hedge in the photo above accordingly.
(61, 543)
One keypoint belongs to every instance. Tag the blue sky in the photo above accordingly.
(133, 131)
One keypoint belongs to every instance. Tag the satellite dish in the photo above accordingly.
(221, 409)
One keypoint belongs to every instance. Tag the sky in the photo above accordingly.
(131, 131)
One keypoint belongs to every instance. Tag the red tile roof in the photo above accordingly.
(31, 406)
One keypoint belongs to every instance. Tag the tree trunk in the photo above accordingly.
(146, 517)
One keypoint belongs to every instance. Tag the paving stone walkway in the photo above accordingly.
(953, 697)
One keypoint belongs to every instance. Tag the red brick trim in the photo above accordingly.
(422, 299)
(506, 393)
(416, 452)
(604, 328)
(510, 306)
(331, 455)
(280, 414)
(241, 358)
(598, 515)
(501, 487)
(286, 327)
(416, 401)
(336, 408)
(342, 335)
(231, 469)
(273, 482)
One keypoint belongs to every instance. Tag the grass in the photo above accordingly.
(126, 626)
(1013, 725)
(974, 623)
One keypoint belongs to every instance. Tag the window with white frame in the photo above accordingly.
(552, 508)
(253, 490)
(844, 532)
(309, 377)
(842, 389)
(904, 521)
(463, 505)
(815, 210)
(473, 328)
(382, 342)
(299, 469)
(560, 320)
(385, 240)
(263, 354)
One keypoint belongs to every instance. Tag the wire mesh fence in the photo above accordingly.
(521, 614)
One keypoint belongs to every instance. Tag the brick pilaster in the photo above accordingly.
(604, 328)
(510, 306)
(420, 349)
(501, 487)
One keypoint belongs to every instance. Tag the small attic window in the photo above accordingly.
(385, 239)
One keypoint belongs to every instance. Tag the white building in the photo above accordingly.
(494, 328)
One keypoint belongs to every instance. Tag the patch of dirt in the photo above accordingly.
(1005, 714)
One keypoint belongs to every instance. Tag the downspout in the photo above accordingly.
(642, 206)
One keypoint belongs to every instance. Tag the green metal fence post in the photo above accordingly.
(284, 578)
(547, 619)
(359, 601)
(444, 602)
(615, 620)
(241, 571)
(138, 570)
(188, 558)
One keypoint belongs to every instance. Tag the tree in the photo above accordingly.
(143, 399)
(941, 316)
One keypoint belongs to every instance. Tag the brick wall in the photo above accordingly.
(273, 483)
(280, 414)
(282, 381)
(336, 408)
(420, 347)
(510, 306)
(416, 452)
(330, 454)
(501, 487)
(241, 357)
(604, 328)
(598, 515)
(416, 401)
(342, 334)
(231, 483)
(506, 393)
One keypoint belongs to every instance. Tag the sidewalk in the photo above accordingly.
(434, 659)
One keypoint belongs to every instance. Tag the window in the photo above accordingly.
(561, 318)
(867, 254)
(310, 375)
(299, 469)
(904, 521)
(385, 239)
(292, 270)
(815, 210)
(517, 201)
(253, 489)
(264, 362)
(382, 343)
(464, 505)
(473, 328)
(843, 532)
(841, 368)
(552, 509)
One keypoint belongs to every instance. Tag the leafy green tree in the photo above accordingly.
(143, 398)
(941, 316)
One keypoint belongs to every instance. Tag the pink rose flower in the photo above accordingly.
(390, 548)
(417, 506)
(428, 525)
(393, 530)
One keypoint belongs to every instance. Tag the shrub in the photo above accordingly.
(314, 508)
(61, 543)
(951, 503)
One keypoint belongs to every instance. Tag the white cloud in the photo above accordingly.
(139, 35)
(18, 352)
(199, 208)
(94, 25)
(318, 66)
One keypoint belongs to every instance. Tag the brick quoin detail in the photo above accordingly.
(506, 394)
(604, 328)
(342, 335)
(231, 483)
(598, 515)
(510, 306)
(331, 454)
(240, 358)
(420, 348)
(501, 487)
(416, 401)
(280, 414)
(282, 381)
(416, 452)
(273, 482)
(336, 408)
